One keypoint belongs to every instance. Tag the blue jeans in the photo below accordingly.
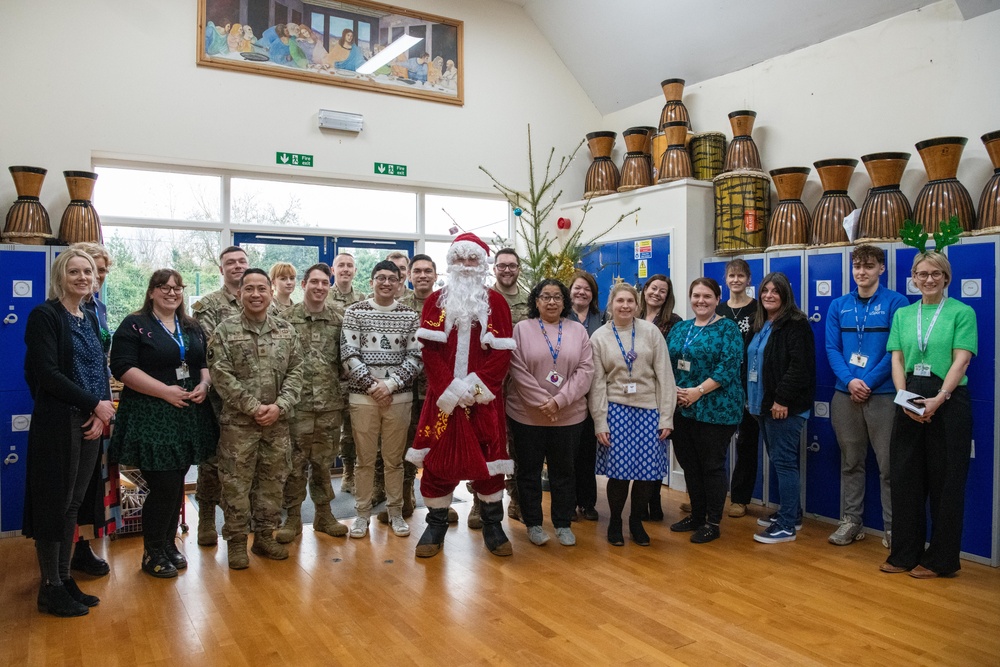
(781, 438)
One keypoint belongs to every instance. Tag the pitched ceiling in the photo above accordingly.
(619, 50)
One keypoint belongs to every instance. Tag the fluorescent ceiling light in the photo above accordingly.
(389, 53)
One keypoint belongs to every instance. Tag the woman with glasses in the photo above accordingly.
(632, 401)
(550, 372)
(164, 424)
(932, 342)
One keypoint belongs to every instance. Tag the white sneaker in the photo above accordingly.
(566, 537)
(846, 533)
(399, 527)
(537, 535)
(887, 539)
(359, 528)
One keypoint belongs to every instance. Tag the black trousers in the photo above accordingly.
(586, 463)
(556, 446)
(162, 507)
(700, 448)
(745, 466)
(930, 462)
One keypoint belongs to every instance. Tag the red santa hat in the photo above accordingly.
(468, 244)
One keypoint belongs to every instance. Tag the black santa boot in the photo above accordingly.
(432, 541)
(496, 540)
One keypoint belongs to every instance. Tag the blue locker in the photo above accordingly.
(826, 278)
(16, 417)
(902, 257)
(979, 535)
(659, 262)
(602, 262)
(23, 272)
(789, 262)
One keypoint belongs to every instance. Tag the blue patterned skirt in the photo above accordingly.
(635, 451)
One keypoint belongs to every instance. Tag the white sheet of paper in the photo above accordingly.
(851, 223)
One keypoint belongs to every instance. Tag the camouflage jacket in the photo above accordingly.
(518, 304)
(319, 336)
(341, 300)
(416, 304)
(215, 307)
(255, 364)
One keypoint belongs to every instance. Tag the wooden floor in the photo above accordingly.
(370, 602)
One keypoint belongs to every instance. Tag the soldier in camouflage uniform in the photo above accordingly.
(316, 419)
(507, 269)
(343, 294)
(256, 366)
(209, 311)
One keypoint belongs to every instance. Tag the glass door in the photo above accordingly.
(265, 250)
(367, 253)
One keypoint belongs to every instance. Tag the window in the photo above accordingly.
(284, 204)
(134, 193)
(487, 218)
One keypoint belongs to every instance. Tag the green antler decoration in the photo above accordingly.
(948, 234)
(914, 235)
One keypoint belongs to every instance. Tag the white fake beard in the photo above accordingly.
(465, 297)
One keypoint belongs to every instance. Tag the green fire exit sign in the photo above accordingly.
(387, 169)
(293, 159)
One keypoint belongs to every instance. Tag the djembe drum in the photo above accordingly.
(742, 152)
(674, 109)
(790, 221)
(742, 207)
(943, 196)
(80, 221)
(27, 219)
(675, 163)
(885, 208)
(835, 204)
(989, 201)
(637, 167)
(602, 177)
(708, 155)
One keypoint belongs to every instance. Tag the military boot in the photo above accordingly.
(475, 520)
(207, 536)
(432, 541)
(264, 545)
(292, 527)
(496, 540)
(347, 481)
(409, 498)
(326, 522)
(238, 559)
(513, 508)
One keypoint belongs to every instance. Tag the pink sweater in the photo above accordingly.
(530, 365)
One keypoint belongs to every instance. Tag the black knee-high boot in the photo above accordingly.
(641, 491)
(617, 490)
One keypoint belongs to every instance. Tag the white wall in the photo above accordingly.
(923, 74)
(114, 78)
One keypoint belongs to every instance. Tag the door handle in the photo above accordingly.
(10, 319)
(11, 459)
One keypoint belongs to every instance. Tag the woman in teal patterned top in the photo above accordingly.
(705, 353)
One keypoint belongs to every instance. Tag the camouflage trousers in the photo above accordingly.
(253, 467)
(313, 452)
(344, 434)
(209, 489)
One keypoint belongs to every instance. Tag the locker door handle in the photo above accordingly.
(11, 459)
(10, 319)
(812, 446)
(815, 317)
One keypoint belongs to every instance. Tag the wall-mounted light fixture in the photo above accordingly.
(341, 120)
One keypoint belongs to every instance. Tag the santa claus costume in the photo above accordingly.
(466, 334)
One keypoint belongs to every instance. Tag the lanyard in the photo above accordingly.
(859, 323)
(758, 339)
(697, 331)
(922, 341)
(177, 336)
(553, 351)
(630, 356)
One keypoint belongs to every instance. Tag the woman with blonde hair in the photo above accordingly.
(632, 400)
(282, 276)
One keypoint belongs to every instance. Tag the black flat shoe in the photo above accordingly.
(639, 535)
(57, 601)
(706, 533)
(685, 525)
(615, 537)
(590, 514)
(86, 561)
(175, 556)
(78, 595)
(156, 564)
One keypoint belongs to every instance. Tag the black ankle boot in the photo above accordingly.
(57, 601)
(432, 541)
(78, 595)
(175, 556)
(156, 563)
(615, 537)
(85, 560)
(655, 509)
(496, 540)
(638, 532)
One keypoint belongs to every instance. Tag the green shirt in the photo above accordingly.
(955, 329)
(713, 351)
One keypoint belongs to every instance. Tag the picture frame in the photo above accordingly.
(357, 44)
